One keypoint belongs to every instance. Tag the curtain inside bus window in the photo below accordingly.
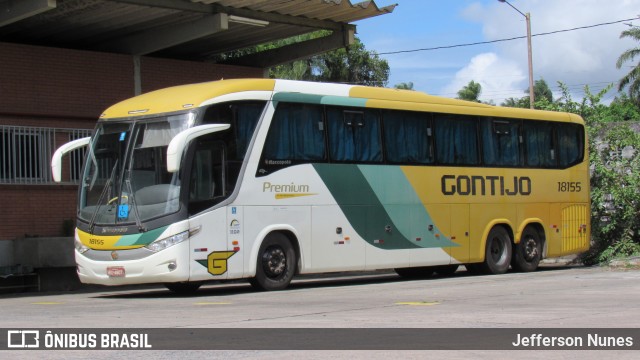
(500, 142)
(354, 135)
(296, 133)
(539, 146)
(456, 139)
(407, 137)
(570, 144)
(247, 116)
(243, 116)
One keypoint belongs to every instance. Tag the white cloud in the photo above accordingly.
(499, 77)
(576, 58)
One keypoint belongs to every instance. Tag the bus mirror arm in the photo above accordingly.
(180, 142)
(56, 160)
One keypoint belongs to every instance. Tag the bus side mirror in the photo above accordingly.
(180, 142)
(56, 160)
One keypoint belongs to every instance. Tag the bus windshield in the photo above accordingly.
(125, 179)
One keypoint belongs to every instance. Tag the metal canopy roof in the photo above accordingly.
(184, 29)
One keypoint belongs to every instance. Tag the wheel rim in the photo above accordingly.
(274, 261)
(530, 249)
(498, 254)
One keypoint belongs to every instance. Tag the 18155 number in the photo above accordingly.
(569, 186)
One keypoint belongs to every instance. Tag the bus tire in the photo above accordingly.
(528, 252)
(415, 272)
(275, 264)
(497, 256)
(183, 288)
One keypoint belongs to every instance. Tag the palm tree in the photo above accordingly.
(541, 90)
(632, 79)
(470, 92)
(404, 86)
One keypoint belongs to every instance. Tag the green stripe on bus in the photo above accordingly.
(394, 225)
(141, 239)
(403, 206)
(319, 99)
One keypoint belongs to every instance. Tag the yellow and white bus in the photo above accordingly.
(264, 179)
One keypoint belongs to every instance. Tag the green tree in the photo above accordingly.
(615, 172)
(354, 65)
(404, 86)
(615, 198)
(470, 92)
(632, 79)
(516, 102)
(541, 93)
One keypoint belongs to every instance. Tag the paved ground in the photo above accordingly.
(557, 296)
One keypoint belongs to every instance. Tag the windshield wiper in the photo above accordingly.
(132, 199)
(107, 186)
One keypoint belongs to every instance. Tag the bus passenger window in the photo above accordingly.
(456, 139)
(570, 144)
(539, 144)
(500, 142)
(296, 134)
(407, 137)
(354, 135)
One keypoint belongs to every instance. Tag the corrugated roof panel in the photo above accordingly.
(98, 24)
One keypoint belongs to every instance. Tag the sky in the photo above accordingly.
(575, 58)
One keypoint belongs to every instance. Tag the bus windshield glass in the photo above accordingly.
(125, 179)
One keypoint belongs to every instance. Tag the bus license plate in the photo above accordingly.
(115, 271)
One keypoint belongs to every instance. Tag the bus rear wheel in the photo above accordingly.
(528, 252)
(497, 255)
(276, 263)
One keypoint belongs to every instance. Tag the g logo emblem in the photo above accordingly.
(217, 262)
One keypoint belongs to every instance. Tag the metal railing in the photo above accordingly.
(25, 154)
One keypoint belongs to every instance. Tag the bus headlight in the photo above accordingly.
(80, 246)
(162, 244)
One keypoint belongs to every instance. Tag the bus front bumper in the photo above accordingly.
(169, 265)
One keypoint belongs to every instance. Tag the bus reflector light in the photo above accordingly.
(235, 242)
(236, 249)
(162, 244)
(80, 247)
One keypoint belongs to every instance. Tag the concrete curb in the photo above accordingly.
(626, 263)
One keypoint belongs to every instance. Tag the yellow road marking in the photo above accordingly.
(418, 303)
(47, 303)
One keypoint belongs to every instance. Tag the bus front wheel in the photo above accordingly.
(276, 263)
(498, 251)
(528, 252)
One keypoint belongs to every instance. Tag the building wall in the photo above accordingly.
(68, 89)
